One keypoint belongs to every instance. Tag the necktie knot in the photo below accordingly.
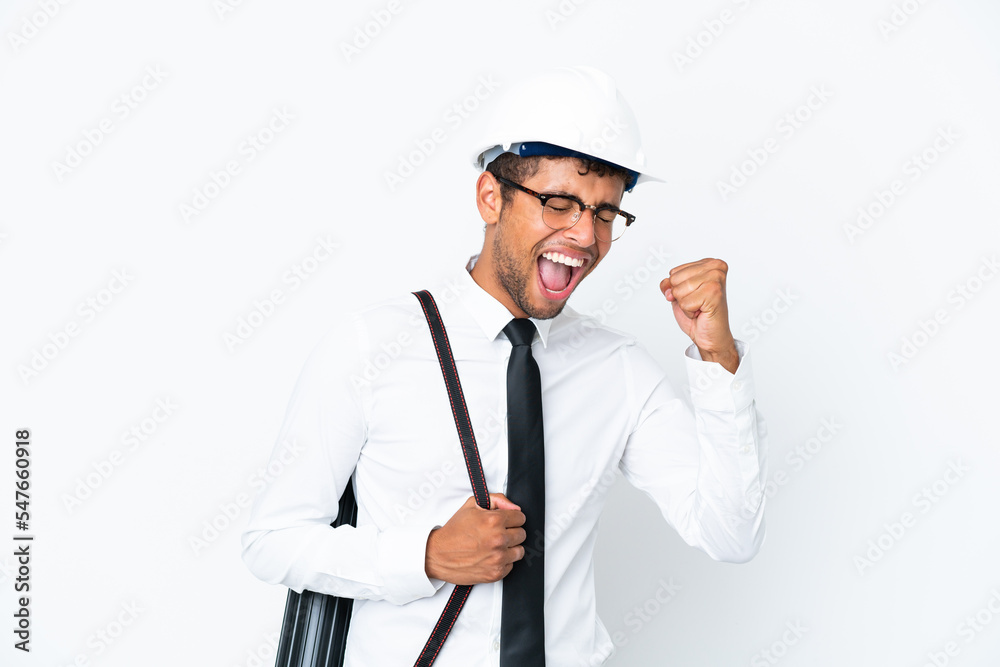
(520, 331)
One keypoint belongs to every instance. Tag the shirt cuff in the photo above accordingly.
(713, 387)
(401, 555)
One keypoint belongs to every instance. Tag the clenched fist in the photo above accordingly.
(697, 291)
(476, 545)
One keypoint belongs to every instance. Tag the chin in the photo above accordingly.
(541, 308)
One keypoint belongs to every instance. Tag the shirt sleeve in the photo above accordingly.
(288, 539)
(704, 465)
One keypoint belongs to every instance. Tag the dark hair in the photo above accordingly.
(518, 169)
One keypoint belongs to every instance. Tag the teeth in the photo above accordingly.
(562, 259)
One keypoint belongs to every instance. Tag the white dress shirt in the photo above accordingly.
(371, 402)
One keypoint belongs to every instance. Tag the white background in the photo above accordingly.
(854, 298)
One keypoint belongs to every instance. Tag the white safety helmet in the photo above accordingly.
(568, 111)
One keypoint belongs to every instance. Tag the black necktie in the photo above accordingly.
(522, 629)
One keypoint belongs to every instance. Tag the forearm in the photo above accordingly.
(705, 465)
(362, 562)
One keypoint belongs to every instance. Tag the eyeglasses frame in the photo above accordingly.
(544, 197)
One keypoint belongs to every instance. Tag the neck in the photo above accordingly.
(484, 274)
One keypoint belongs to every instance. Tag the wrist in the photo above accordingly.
(728, 357)
(430, 568)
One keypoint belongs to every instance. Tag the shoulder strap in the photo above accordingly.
(457, 399)
(475, 467)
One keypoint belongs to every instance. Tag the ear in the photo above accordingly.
(488, 198)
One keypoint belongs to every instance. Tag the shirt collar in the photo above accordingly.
(491, 315)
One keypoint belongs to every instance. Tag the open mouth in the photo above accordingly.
(558, 274)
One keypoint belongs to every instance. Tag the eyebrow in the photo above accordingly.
(564, 193)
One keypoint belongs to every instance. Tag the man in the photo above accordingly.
(371, 403)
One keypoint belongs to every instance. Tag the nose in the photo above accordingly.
(582, 232)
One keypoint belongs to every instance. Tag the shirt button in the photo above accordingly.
(745, 449)
(496, 646)
(737, 385)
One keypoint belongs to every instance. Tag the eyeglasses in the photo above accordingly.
(563, 211)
